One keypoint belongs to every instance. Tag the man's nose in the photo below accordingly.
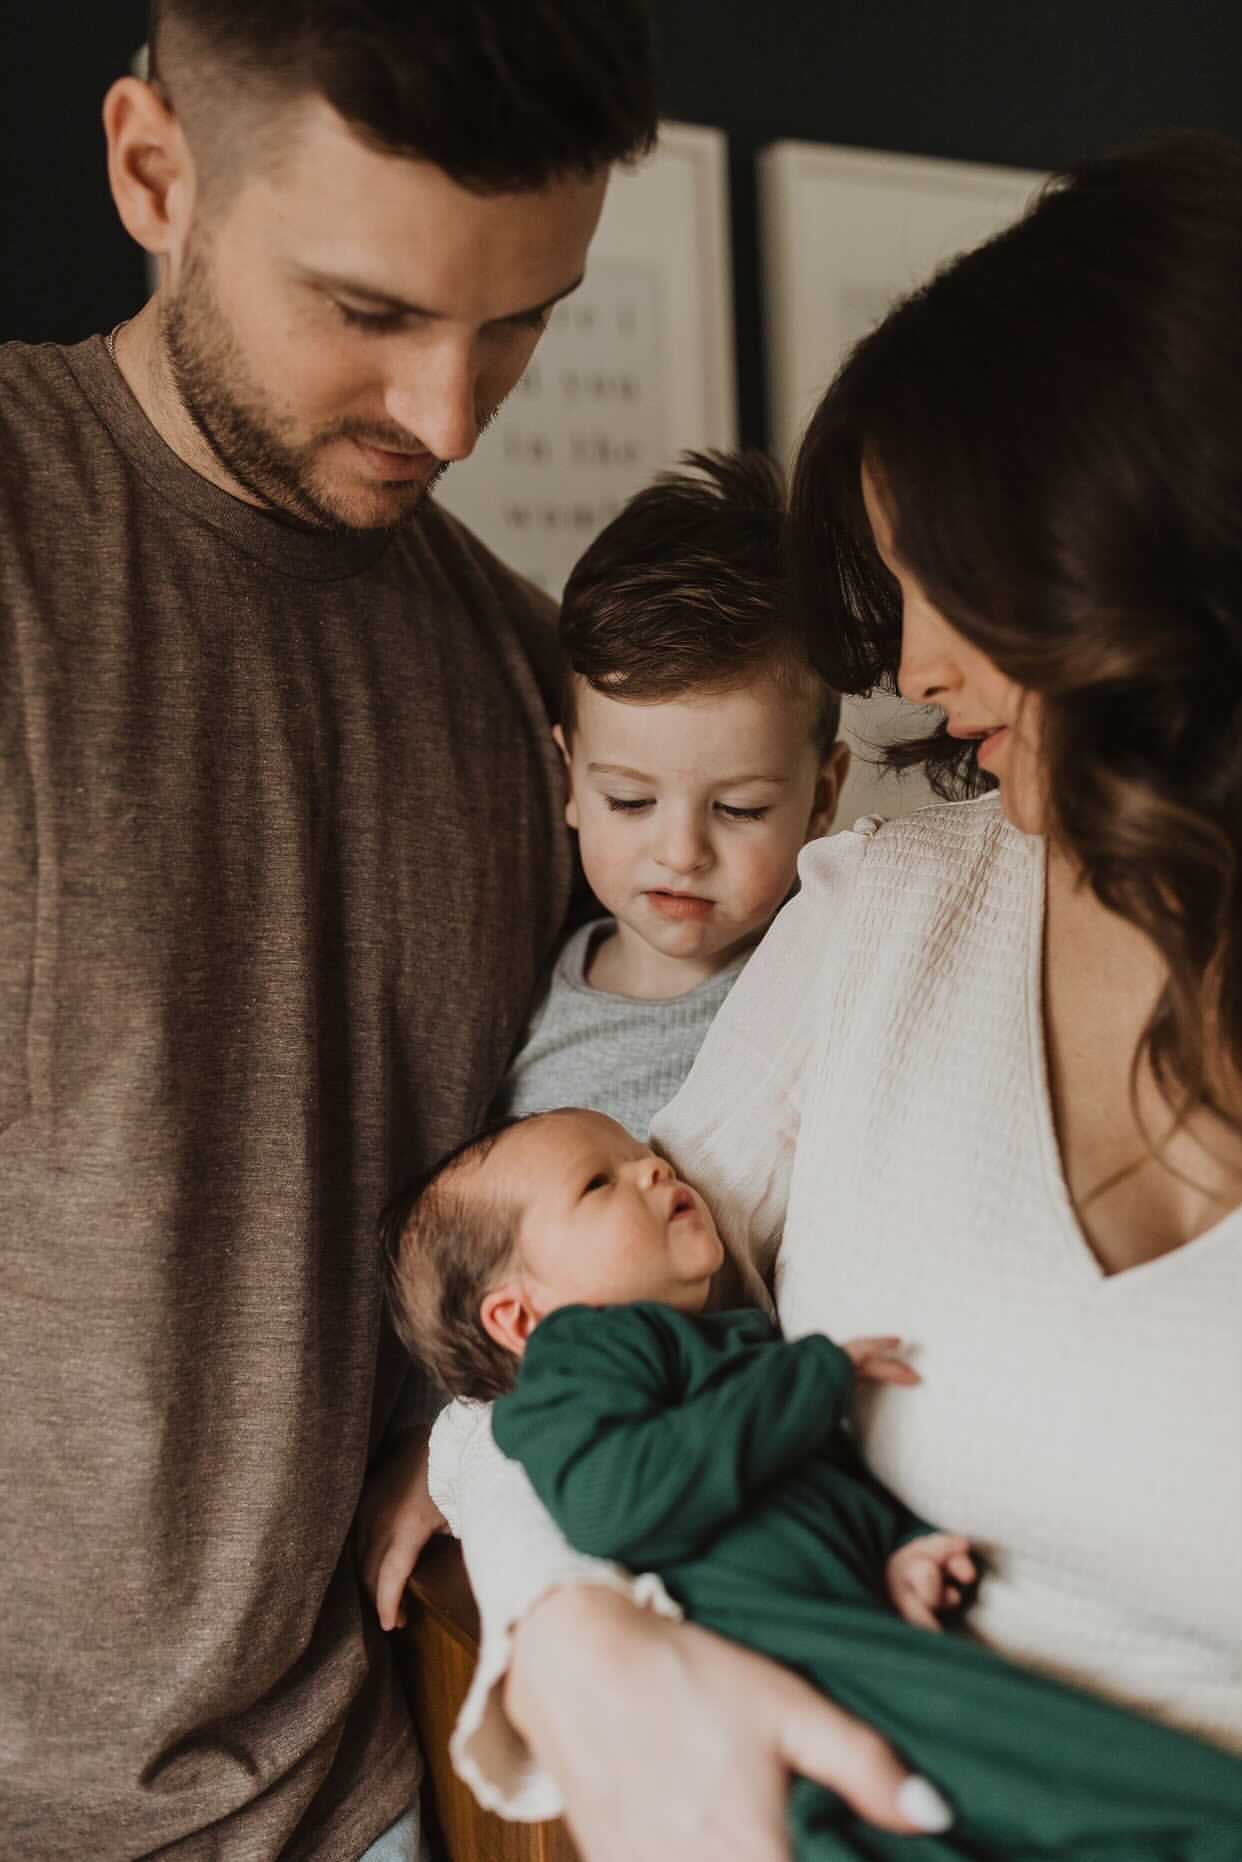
(435, 398)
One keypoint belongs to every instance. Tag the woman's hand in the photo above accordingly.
(668, 1741)
(396, 1517)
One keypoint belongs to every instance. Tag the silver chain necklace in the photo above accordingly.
(110, 341)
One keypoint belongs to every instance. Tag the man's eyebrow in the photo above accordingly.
(725, 782)
(402, 307)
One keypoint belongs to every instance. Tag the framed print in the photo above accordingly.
(633, 369)
(846, 232)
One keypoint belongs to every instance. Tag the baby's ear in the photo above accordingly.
(571, 806)
(508, 1317)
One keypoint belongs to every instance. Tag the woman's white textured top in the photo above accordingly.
(870, 1120)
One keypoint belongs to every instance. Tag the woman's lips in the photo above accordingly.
(680, 904)
(991, 743)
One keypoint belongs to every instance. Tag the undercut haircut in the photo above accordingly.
(443, 1245)
(686, 592)
(505, 96)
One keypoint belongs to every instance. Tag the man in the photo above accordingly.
(280, 858)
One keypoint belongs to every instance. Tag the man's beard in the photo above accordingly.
(250, 439)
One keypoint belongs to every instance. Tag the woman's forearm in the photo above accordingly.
(516, 1558)
(514, 1551)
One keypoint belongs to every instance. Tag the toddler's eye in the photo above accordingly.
(742, 814)
(598, 1182)
(627, 805)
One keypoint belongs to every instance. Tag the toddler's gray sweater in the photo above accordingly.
(623, 1055)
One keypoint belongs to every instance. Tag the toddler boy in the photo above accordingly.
(559, 1265)
(701, 754)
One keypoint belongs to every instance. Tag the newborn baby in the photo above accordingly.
(561, 1267)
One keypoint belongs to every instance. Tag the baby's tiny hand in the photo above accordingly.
(876, 1362)
(929, 1575)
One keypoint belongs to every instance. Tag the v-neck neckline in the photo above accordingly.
(1079, 1250)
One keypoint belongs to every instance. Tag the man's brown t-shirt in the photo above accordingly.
(281, 854)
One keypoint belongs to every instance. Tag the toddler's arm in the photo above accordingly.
(396, 1517)
(643, 1431)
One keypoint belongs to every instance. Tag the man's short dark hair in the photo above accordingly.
(503, 95)
(685, 591)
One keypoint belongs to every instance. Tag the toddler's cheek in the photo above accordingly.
(768, 885)
(605, 877)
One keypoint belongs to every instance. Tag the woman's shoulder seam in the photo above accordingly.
(940, 830)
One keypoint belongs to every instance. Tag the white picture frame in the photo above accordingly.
(636, 368)
(845, 234)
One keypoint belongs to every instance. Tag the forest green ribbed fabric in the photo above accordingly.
(711, 1452)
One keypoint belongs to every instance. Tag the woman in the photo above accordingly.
(982, 1083)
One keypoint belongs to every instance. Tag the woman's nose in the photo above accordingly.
(918, 685)
(926, 671)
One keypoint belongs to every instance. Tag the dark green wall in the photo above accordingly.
(1031, 83)
(68, 267)
(1025, 83)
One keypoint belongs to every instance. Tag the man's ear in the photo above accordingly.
(571, 806)
(833, 770)
(509, 1316)
(150, 168)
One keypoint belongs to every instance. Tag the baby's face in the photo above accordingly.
(604, 1220)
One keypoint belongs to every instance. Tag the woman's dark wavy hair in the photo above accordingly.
(1054, 424)
(503, 95)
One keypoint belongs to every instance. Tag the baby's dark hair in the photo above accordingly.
(442, 1249)
(685, 591)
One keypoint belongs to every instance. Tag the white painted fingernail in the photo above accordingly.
(921, 1804)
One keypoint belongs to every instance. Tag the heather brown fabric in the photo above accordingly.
(280, 856)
